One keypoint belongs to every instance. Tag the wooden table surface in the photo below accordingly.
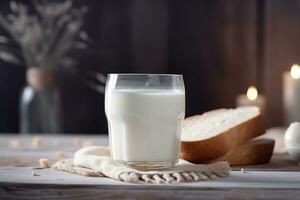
(279, 179)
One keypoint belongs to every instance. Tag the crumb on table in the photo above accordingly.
(15, 143)
(36, 142)
(44, 163)
(34, 174)
(243, 170)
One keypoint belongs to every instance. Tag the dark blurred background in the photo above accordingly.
(220, 46)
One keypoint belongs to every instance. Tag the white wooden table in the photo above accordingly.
(278, 180)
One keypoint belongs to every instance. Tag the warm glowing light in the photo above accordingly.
(252, 93)
(295, 71)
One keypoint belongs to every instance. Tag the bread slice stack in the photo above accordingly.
(226, 134)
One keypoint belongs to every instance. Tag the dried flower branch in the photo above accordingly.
(46, 35)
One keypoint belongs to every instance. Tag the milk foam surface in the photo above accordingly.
(145, 124)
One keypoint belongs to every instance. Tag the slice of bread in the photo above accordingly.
(254, 152)
(213, 134)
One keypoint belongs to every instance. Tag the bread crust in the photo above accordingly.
(216, 146)
(254, 152)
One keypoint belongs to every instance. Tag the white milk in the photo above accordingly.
(145, 125)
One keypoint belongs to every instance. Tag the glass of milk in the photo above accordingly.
(145, 114)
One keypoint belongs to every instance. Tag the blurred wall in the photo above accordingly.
(220, 46)
(281, 42)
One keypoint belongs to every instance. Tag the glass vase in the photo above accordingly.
(40, 106)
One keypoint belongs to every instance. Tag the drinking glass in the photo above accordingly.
(145, 114)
